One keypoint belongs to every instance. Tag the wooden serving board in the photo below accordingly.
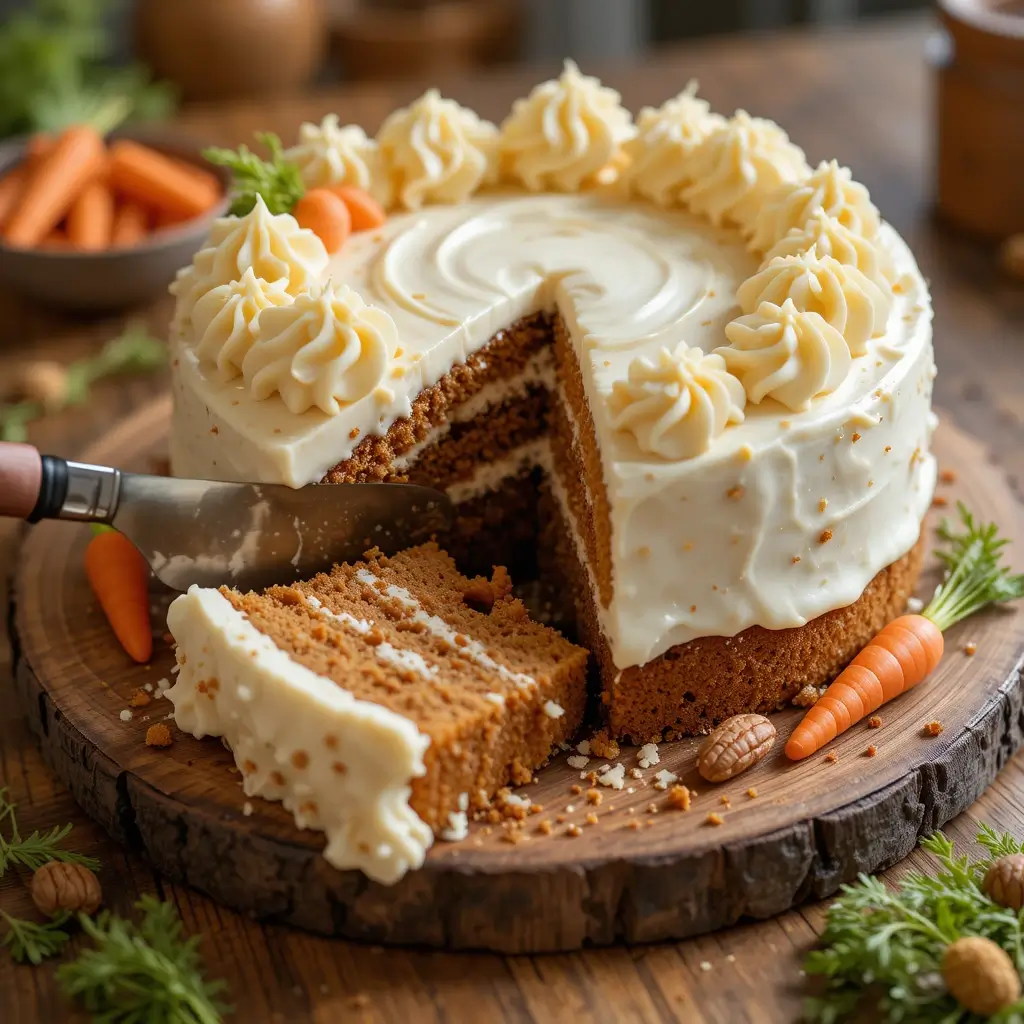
(811, 826)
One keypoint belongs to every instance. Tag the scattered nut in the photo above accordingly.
(1004, 881)
(45, 382)
(72, 887)
(980, 975)
(679, 798)
(737, 744)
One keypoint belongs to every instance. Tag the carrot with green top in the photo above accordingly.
(909, 648)
(119, 577)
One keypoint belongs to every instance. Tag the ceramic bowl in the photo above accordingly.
(116, 278)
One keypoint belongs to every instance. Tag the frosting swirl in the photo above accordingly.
(329, 153)
(678, 404)
(737, 166)
(272, 245)
(785, 353)
(326, 349)
(565, 135)
(829, 237)
(224, 319)
(436, 151)
(830, 188)
(666, 137)
(842, 295)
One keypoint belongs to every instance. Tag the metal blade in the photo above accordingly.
(250, 536)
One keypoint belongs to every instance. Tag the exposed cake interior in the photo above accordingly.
(380, 702)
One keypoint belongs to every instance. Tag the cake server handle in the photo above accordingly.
(34, 486)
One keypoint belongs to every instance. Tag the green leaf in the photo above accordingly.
(33, 942)
(276, 180)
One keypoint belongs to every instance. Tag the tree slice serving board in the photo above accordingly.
(644, 872)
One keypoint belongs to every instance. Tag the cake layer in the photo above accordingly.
(692, 687)
(379, 702)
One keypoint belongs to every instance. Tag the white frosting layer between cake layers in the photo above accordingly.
(289, 729)
(700, 546)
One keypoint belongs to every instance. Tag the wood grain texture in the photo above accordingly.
(862, 95)
(811, 827)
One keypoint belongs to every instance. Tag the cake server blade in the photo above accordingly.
(210, 533)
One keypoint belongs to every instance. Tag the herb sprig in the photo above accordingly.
(35, 850)
(882, 948)
(34, 942)
(974, 576)
(134, 351)
(276, 179)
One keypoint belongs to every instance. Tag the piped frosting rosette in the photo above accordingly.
(326, 349)
(273, 246)
(787, 354)
(566, 135)
(436, 151)
(843, 296)
(676, 404)
(659, 156)
(737, 166)
(329, 153)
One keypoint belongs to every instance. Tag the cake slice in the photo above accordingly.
(381, 702)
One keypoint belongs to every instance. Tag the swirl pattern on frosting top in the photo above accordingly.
(659, 166)
(331, 154)
(848, 300)
(785, 353)
(436, 151)
(677, 403)
(326, 349)
(830, 188)
(224, 319)
(273, 246)
(566, 135)
(737, 166)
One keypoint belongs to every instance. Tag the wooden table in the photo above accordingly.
(861, 96)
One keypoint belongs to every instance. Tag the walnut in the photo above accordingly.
(1004, 881)
(980, 975)
(59, 886)
(45, 382)
(737, 744)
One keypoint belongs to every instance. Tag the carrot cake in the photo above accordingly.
(381, 703)
(691, 370)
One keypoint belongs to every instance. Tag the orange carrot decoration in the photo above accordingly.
(365, 211)
(326, 215)
(910, 647)
(90, 221)
(119, 577)
(155, 180)
(73, 161)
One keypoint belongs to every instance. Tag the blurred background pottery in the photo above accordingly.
(222, 49)
(112, 279)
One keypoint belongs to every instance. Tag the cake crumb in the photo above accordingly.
(575, 789)
(635, 773)
(634, 825)
(736, 492)
(807, 697)
(832, 757)
(583, 747)
(648, 755)
(591, 818)
(825, 536)
(725, 801)
(573, 831)
(602, 745)
(947, 476)
(614, 777)
(126, 715)
(933, 728)
(705, 965)
(664, 779)
(159, 736)
(875, 722)
(795, 559)
(752, 793)
(247, 809)
(594, 796)
(940, 501)
(139, 698)
(822, 504)
(544, 827)
(871, 751)
(854, 437)
(679, 798)
(714, 819)
(577, 761)
(970, 648)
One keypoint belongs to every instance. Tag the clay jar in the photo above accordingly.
(226, 49)
(980, 92)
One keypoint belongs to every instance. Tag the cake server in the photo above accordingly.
(212, 533)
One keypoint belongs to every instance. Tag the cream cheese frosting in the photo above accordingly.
(276, 715)
(329, 153)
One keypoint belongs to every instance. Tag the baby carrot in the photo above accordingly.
(909, 647)
(55, 240)
(365, 211)
(119, 577)
(151, 178)
(73, 161)
(90, 220)
(324, 213)
(12, 186)
(130, 224)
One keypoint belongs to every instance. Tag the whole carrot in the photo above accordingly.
(130, 224)
(909, 647)
(73, 161)
(90, 221)
(366, 213)
(326, 215)
(149, 177)
(12, 185)
(119, 577)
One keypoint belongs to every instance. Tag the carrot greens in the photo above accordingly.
(276, 179)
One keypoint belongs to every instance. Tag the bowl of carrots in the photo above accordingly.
(94, 223)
